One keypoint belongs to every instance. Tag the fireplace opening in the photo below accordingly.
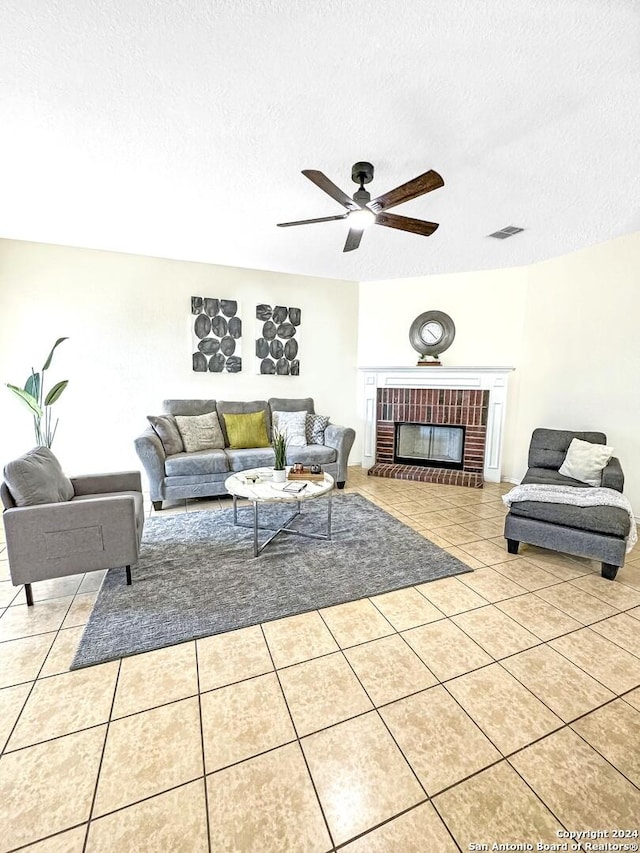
(430, 445)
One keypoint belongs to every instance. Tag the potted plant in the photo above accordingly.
(33, 395)
(279, 444)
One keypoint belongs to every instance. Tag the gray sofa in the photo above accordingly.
(203, 473)
(599, 532)
(56, 526)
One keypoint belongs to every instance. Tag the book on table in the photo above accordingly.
(294, 487)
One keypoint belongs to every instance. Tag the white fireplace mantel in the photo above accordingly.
(492, 379)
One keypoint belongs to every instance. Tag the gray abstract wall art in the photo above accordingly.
(216, 333)
(277, 340)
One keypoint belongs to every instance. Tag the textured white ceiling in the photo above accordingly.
(178, 128)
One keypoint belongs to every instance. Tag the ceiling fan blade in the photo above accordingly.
(353, 239)
(310, 221)
(406, 223)
(322, 181)
(405, 192)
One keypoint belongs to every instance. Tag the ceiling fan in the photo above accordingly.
(362, 210)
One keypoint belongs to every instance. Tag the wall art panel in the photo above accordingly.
(216, 331)
(278, 340)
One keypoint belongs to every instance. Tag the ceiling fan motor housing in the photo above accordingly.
(361, 196)
(362, 173)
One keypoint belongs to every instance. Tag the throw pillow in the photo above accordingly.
(315, 426)
(37, 478)
(200, 432)
(166, 428)
(246, 430)
(292, 424)
(584, 461)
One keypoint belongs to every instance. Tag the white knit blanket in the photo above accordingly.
(574, 495)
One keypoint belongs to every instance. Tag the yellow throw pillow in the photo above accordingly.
(248, 430)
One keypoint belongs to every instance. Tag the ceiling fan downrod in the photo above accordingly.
(362, 173)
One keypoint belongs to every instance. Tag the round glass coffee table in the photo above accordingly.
(265, 491)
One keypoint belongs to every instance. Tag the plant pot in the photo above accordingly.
(279, 475)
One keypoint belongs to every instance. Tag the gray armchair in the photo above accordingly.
(598, 532)
(57, 526)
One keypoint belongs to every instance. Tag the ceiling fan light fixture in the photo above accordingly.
(361, 219)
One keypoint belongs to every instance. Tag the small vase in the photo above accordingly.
(279, 475)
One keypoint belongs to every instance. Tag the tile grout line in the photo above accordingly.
(298, 740)
(392, 736)
(3, 751)
(581, 668)
(45, 838)
(504, 757)
(104, 748)
(498, 661)
(375, 709)
(204, 766)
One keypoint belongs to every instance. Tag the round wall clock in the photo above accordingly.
(431, 333)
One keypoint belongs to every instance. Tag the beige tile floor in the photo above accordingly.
(500, 706)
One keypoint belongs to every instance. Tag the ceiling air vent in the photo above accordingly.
(503, 233)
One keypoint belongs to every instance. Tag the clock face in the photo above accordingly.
(431, 332)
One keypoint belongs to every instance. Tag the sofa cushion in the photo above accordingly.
(291, 404)
(188, 407)
(312, 454)
(549, 477)
(315, 427)
(227, 407)
(548, 447)
(198, 462)
(37, 478)
(292, 425)
(585, 460)
(246, 430)
(611, 520)
(166, 428)
(200, 432)
(253, 457)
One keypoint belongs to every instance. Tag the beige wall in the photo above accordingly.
(129, 347)
(486, 307)
(569, 326)
(580, 359)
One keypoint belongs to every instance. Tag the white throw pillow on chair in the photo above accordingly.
(584, 461)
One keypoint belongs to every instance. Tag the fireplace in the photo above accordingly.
(472, 397)
(430, 445)
(459, 450)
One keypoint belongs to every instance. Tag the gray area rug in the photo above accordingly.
(197, 575)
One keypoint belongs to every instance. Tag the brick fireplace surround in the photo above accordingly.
(473, 397)
(432, 406)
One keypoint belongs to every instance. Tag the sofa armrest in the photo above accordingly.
(341, 439)
(59, 539)
(95, 484)
(612, 475)
(151, 453)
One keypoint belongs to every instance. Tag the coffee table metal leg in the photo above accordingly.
(256, 550)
